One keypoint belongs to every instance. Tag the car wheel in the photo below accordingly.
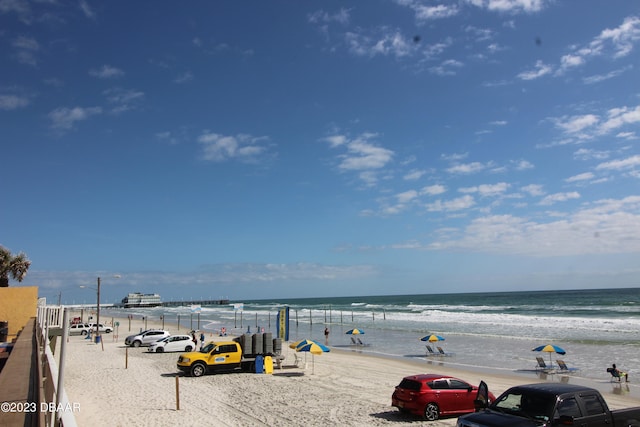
(188, 348)
(431, 412)
(83, 333)
(197, 370)
(160, 349)
(136, 343)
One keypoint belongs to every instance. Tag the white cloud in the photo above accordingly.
(540, 70)
(26, 49)
(65, 118)
(447, 68)
(460, 203)
(407, 196)
(618, 117)
(106, 72)
(522, 165)
(361, 155)
(13, 102)
(123, 99)
(619, 41)
(433, 190)
(576, 124)
(559, 197)
(486, 190)
(511, 6)
(580, 177)
(219, 148)
(320, 16)
(605, 227)
(388, 43)
(466, 168)
(364, 155)
(627, 135)
(185, 77)
(621, 38)
(534, 190)
(414, 175)
(86, 9)
(629, 162)
(336, 140)
(602, 77)
(587, 154)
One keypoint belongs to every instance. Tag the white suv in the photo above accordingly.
(145, 338)
(79, 329)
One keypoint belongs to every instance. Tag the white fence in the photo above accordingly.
(53, 393)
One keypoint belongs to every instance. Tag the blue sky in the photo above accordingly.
(320, 148)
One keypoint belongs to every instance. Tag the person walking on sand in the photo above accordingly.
(201, 340)
(326, 336)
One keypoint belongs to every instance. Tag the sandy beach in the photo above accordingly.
(113, 385)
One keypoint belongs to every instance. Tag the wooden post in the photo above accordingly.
(177, 393)
(178, 322)
(126, 358)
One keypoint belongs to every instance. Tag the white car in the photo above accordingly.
(79, 329)
(103, 328)
(145, 338)
(172, 343)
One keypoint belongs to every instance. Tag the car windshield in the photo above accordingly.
(207, 348)
(533, 406)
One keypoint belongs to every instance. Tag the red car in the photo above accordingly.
(433, 396)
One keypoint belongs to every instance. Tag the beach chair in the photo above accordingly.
(353, 341)
(617, 375)
(563, 366)
(541, 363)
(442, 352)
(430, 351)
(360, 342)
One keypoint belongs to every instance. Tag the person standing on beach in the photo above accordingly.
(326, 336)
(201, 340)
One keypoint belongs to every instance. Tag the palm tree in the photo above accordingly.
(14, 266)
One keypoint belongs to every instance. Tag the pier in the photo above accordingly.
(198, 302)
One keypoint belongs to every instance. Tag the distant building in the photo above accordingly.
(137, 299)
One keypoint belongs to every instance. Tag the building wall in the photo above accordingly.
(17, 306)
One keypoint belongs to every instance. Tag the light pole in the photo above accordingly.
(117, 276)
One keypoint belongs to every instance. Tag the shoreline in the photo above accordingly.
(343, 387)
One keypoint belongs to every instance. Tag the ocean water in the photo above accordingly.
(495, 331)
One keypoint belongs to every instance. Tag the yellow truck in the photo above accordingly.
(237, 355)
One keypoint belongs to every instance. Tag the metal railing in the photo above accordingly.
(52, 376)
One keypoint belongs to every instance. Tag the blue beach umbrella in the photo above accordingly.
(299, 343)
(355, 331)
(314, 348)
(432, 338)
(550, 348)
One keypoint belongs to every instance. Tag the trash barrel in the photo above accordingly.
(268, 365)
(259, 364)
(98, 338)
